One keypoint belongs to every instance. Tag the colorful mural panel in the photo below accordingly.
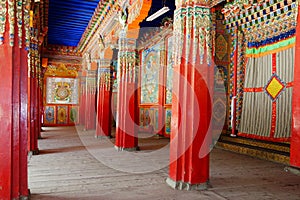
(62, 114)
(49, 115)
(168, 121)
(149, 119)
(169, 74)
(150, 74)
(62, 90)
(73, 115)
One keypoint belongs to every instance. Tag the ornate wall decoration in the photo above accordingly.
(149, 119)
(49, 115)
(246, 14)
(221, 48)
(231, 75)
(62, 90)
(62, 50)
(61, 71)
(202, 3)
(169, 72)
(150, 69)
(241, 59)
(168, 116)
(74, 114)
(62, 114)
(135, 10)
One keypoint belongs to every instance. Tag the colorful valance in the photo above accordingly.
(272, 48)
(241, 14)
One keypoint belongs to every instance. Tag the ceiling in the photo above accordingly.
(68, 19)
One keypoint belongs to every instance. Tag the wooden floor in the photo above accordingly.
(72, 164)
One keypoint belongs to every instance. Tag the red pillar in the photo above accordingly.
(90, 112)
(82, 99)
(127, 105)
(104, 110)
(191, 102)
(13, 119)
(34, 131)
(295, 138)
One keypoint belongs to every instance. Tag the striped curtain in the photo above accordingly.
(266, 111)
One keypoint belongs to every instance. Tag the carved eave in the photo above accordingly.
(154, 37)
(105, 30)
(62, 54)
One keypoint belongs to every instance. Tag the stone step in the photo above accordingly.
(278, 146)
(276, 152)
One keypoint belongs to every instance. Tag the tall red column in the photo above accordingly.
(90, 112)
(295, 138)
(104, 110)
(13, 109)
(33, 130)
(191, 102)
(82, 99)
(127, 105)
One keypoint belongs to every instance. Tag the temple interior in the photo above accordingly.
(149, 98)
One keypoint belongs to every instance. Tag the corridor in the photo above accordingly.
(68, 167)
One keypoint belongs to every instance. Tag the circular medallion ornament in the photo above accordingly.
(62, 93)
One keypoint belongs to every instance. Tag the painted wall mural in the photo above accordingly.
(62, 114)
(150, 74)
(49, 115)
(149, 119)
(73, 114)
(62, 90)
(168, 121)
(169, 73)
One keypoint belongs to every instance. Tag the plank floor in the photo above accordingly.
(72, 164)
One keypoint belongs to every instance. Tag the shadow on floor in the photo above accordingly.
(62, 149)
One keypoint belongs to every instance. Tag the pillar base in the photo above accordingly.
(293, 170)
(33, 152)
(179, 185)
(25, 197)
(101, 137)
(127, 149)
(158, 136)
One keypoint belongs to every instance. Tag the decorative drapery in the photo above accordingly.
(193, 25)
(18, 13)
(266, 112)
(104, 75)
